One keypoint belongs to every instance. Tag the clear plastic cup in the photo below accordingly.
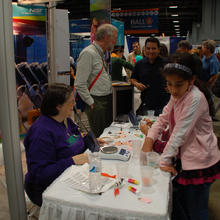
(150, 113)
(153, 159)
(136, 148)
(146, 176)
(122, 170)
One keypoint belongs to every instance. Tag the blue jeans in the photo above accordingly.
(190, 202)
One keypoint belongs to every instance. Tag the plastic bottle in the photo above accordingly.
(95, 169)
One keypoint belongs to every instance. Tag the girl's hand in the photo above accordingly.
(144, 128)
(145, 125)
(169, 169)
(148, 145)
(148, 122)
(81, 159)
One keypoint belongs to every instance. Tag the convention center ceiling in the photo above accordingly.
(170, 19)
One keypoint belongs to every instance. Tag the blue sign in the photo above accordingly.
(138, 21)
(120, 26)
(80, 26)
(28, 10)
(77, 45)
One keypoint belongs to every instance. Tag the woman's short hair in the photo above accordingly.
(184, 44)
(163, 50)
(57, 94)
(105, 29)
(209, 44)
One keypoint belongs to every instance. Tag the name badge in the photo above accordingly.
(73, 139)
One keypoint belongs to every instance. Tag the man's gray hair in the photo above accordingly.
(209, 44)
(105, 29)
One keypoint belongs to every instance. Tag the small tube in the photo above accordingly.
(132, 189)
(133, 181)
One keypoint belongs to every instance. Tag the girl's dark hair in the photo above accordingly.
(187, 60)
(184, 59)
(57, 94)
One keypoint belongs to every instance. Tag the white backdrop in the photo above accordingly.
(164, 40)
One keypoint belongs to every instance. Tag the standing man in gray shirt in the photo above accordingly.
(90, 63)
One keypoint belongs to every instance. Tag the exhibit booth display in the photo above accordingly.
(80, 35)
(31, 66)
(29, 30)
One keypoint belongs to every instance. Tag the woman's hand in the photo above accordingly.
(81, 159)
(169, 169)
(101, 141)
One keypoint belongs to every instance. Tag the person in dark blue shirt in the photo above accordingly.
(148, 79)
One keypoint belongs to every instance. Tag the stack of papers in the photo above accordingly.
(78, 179)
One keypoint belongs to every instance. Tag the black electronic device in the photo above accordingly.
(91, 142)
(90, 138)
(133, 119)
(122, 103)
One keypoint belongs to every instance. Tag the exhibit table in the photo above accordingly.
(62, 202)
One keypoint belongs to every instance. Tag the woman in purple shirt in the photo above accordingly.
(53, 143)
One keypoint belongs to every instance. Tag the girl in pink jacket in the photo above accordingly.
(192, 140)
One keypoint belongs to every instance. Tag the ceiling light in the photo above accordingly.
(177, 29)
(178, 32)
(177, 25)
(173, 6)
(175, 21)
(174, 15)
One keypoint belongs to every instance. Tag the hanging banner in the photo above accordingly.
(138, 21)
(29, 19)
(36, 1)
(79, 25)
(120, 26)
(100, 13)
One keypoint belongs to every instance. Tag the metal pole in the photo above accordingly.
(9, 116)
(50, 43)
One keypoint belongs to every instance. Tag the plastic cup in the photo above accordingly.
(136, 148)
(153, 159)
(146, 176)
(150, 113)
(122, 170)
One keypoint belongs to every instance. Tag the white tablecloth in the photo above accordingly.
(61, 202)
